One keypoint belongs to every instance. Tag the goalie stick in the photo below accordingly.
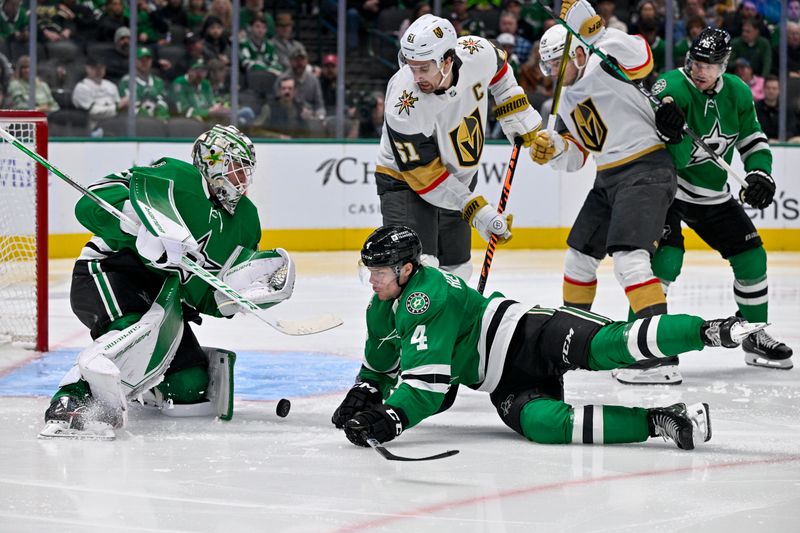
(378, 447)
(288, 327)
(718, 160)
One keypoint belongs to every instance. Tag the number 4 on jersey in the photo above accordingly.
(419, 338)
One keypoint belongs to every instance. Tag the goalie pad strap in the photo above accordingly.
(514, 104)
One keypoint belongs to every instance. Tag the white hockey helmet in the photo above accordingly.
(226, 158)
(551, 48)
(428, 38)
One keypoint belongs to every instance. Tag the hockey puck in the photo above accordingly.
(282, 410)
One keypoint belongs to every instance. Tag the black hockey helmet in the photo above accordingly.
(712, 46)
(393, 245)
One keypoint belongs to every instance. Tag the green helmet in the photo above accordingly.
(226, 159)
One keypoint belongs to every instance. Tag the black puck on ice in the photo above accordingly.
(283, 408)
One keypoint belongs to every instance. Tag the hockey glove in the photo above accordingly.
(163, 252)
(518, 119)
(485, 218)
(616, 73)
(760, 189)
(360, 397)
(547, 145)
(670, 121)
(382, 424)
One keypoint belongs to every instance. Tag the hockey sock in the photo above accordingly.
(750, 284)
(79, 389)
(622, 344)
(647, 298)
(185, 386)
(549, 421)
(579, 294)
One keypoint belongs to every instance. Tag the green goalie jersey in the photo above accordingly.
(431, 336)
(219, 233)
(724, 120)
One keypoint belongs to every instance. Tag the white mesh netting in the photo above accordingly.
(18, 236)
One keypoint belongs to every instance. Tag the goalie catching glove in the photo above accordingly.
(518, 119)
(382, 424)
(485, 218)
(265, 278)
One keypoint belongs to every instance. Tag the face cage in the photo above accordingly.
(226, 192)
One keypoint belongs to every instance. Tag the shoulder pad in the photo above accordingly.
(629, 50)
(424, 295)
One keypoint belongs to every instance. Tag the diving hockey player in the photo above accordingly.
(433, 137)
(719, 108)
(623, 213)
(426, 326)
(128, 287)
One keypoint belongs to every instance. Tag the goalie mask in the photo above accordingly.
(226, 159)
(390, 246)
(429, 38)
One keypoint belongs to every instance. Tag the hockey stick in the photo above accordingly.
(314, 325)
(562, 68)
(378, 447)
(718, 160)
(501, 206)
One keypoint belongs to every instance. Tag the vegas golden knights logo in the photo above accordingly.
(437, 31)
(591, 128)
(467, 139)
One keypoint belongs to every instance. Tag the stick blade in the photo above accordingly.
(307, 326)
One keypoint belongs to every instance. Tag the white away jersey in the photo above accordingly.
(433, 142)
(607, 116)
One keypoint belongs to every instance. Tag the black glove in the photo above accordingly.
(360, 397)
(760, 189)
(614, 72)
(382, 424)
(670, 121)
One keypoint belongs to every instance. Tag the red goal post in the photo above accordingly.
(23, 232)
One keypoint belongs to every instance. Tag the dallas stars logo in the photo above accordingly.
(208, 263)
(417, 303)
(716, 140)
(406, 102)
(214, 157)
(471, 45)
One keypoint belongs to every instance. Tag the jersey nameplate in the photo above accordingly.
(591, 128)
(467, 139)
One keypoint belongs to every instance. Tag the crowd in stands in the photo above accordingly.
(183, 58)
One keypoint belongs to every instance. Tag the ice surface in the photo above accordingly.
(263, 473)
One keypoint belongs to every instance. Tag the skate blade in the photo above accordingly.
(668, 375)
(701, 421)
(742, 330)
(98, 431)
(763, 362)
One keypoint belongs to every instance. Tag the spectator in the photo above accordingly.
(752, 47)
(284, 115)
(767, 111)
(150, 89)
(174, 13)
(6, 75)
(536, 85)
(253, 9)
(694, 26)
(283, 43)
(743, 69)
(192, 95)
(371, 116)
(464, 22)
(649, 31)
(96, 94)
(195, 14)
(215, 40)
(151, 27)
(18, 90)
(112, 19)
(117, 60)
(256, 52)
(605, 8)
(328, 75)
(422, 8)
(360, 14)
(223, 10)
(13, 22)
(646, 13)
(506, 42)
(792, 51)
(64, 20)
(508, 24)
(193, 51)
(734, 20)
(306, 86)
(793, 11)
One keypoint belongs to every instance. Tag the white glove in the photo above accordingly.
(581, 17)
(163, 252)
(518, 119)
(484, 218)
(127, 209)
(266, 280)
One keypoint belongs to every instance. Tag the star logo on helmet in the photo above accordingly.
(417, 303)
(471, 45)
(214, 157)
(406, 102)
(716, 140)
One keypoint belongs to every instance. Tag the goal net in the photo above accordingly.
(23, 232)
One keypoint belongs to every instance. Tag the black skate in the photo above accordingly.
(728, 332)
(77, 418)
(683, 425)
(760, 349)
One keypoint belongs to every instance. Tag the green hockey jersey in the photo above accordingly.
(219, 233)
(724, 120)
(437, 333)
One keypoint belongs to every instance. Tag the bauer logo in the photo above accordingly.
(417, 303)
